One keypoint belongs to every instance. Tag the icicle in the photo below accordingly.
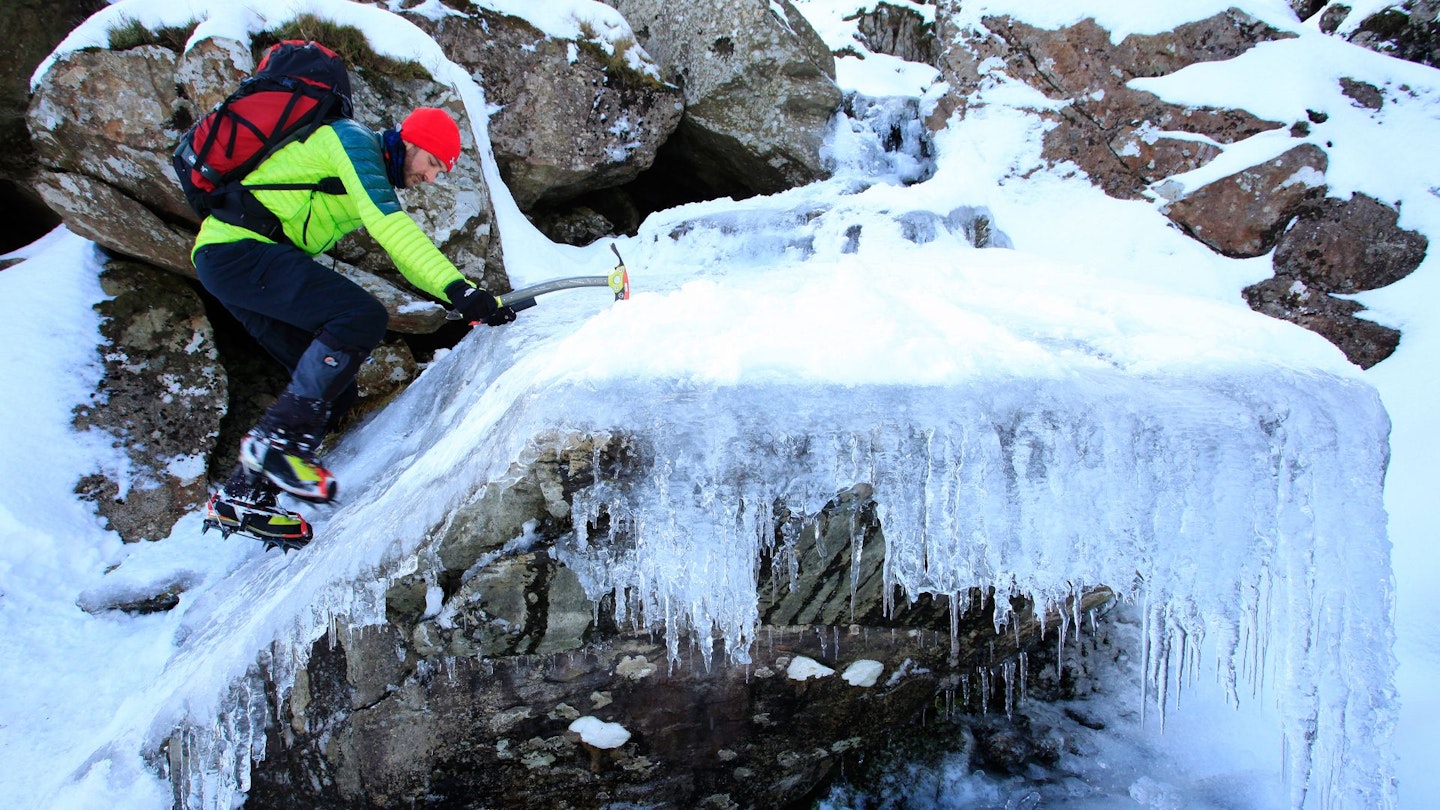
(1145, 654)
(954, 629)
(1024, 675)
(1008, 672)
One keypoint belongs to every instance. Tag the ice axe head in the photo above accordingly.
(619, 277)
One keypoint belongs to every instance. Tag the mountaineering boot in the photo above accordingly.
(282, 448)
(288, 462)
(246, 504)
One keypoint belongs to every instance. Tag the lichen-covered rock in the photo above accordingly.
(1243, 215)
(1286, 297)
(759, 87)
(1337, 247)
(103, 123)
(389, 369)
(160, 402)
(1349, 246)
(573, 116)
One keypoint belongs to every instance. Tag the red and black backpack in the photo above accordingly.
(297, 88)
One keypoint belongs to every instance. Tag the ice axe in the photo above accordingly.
(618, 281)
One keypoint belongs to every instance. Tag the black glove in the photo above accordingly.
(478, 306)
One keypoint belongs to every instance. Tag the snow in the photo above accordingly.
(802, 668)
(597, 732)
(863, 673)
(1100, 380)
(877, 75)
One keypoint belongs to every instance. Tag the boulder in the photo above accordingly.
(1348, 246)
(1288, 298)
(160, 401)
(103, 123)
(759, 89)
(573, 116)
(1242, 215)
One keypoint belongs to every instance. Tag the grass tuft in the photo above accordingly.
(346, 40)
(130, 33)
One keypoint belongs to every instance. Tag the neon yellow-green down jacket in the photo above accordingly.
(314, 222)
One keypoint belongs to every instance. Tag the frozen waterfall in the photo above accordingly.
(1035, 427)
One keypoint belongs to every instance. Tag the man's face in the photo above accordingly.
(420, 166)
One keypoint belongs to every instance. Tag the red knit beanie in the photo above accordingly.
(433, 130)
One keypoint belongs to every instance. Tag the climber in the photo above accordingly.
(318, 324)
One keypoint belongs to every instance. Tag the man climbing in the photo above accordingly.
(318, 324)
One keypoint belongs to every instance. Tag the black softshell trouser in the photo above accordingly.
(320, 325)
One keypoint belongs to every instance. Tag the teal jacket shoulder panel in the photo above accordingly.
(363, 147)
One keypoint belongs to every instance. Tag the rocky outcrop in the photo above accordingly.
(1125, 140)
(493, 672)
(899, 31)
(759, 89)
(160, 403)
(574, 116)
(1121, 137)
